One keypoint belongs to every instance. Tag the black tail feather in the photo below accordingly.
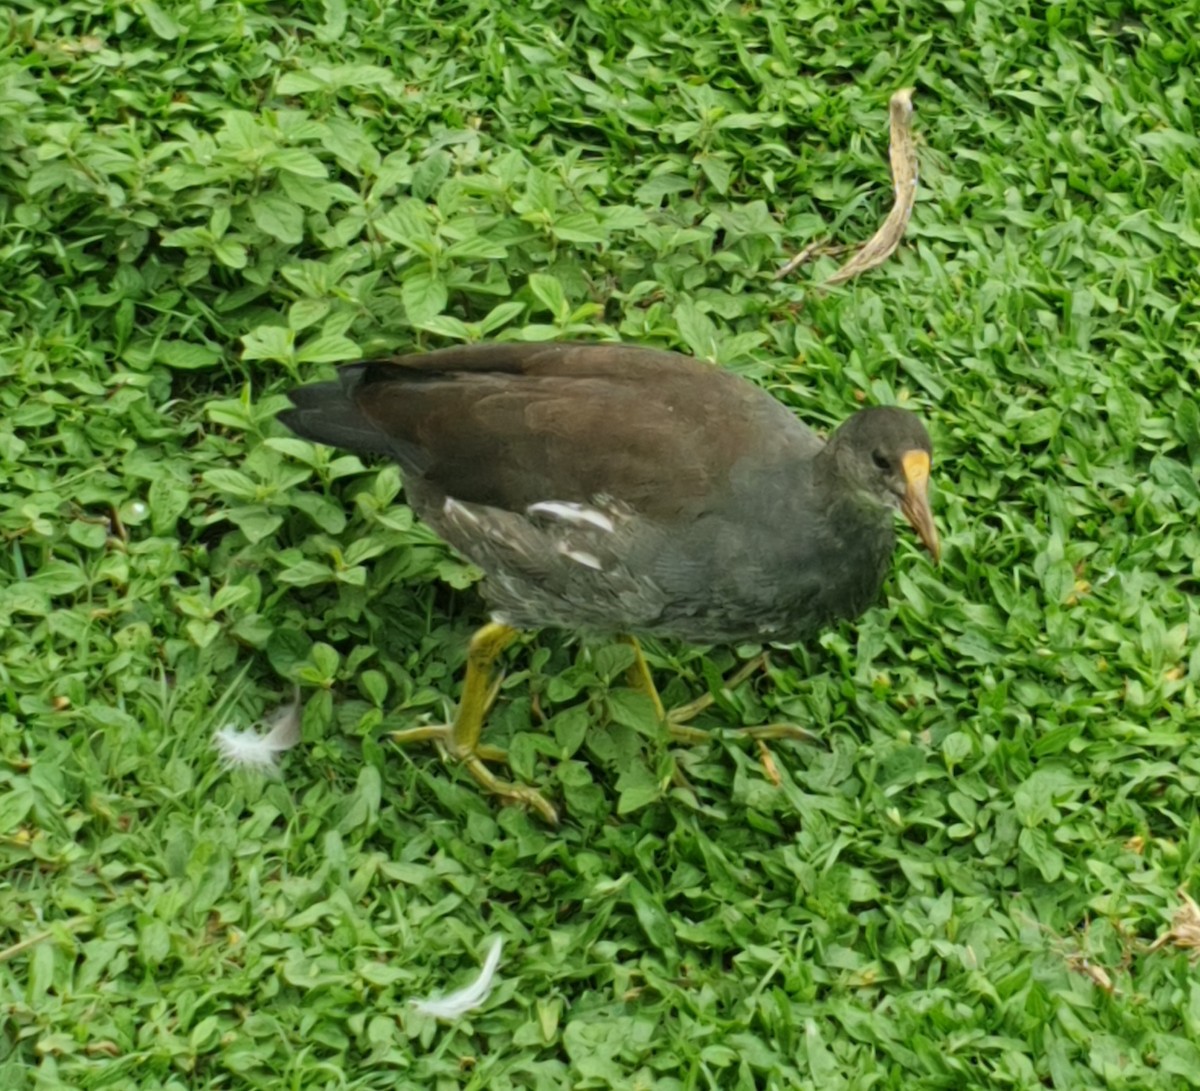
(326, 413)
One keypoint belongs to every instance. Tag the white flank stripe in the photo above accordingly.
(570, 512)
(579, 556)
(453, 508)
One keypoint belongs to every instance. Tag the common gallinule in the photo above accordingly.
(610, 488)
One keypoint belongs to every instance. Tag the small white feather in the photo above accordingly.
(251, 749)
(467, 998)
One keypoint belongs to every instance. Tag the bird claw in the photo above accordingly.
(676, 719)
(444, 736)
(519, 794)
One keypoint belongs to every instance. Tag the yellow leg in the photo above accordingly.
(638, 676)
(459, 741)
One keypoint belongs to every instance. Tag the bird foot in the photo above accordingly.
(459, 741)
(693, 736)
(472, 759)
(678, 718)
(685, 713)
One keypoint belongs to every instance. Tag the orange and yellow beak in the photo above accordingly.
(915, 503)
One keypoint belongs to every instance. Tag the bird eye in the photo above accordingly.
(881, 460)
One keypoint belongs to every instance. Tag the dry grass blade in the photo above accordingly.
(1185, 927)
(904, 179)
(1079, 963)
(813, 250)
(883, 243)
(770, 769)
(21, 947)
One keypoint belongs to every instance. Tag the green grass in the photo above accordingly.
(203, 203)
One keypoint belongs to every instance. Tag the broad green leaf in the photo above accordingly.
(278, 217)
(652, 916)
(717, 171)
(163, 24)
(306, 574)
(185, 355)
(429, 175)
(424, 296)
(445, 325)
(549, 292)
(306, 312)
(697, 330)
(328, 348)
(407, 222)
(296, 161)
(500, 315)
(59, 578)
(268, 343)
(233, 482)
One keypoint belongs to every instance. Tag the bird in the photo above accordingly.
(620, 489)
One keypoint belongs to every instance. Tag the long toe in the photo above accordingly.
(447, 738)
(695, 736)
(683, 714)
(520, 794)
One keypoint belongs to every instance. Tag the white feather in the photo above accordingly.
(251, 749)
(467, 998)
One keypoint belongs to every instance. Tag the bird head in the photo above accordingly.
(885, 454)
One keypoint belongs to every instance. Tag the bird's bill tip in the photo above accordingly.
(915, 503)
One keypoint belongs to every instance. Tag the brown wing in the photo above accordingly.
(509, 425)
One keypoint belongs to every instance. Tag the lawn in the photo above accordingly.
(980, 883)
